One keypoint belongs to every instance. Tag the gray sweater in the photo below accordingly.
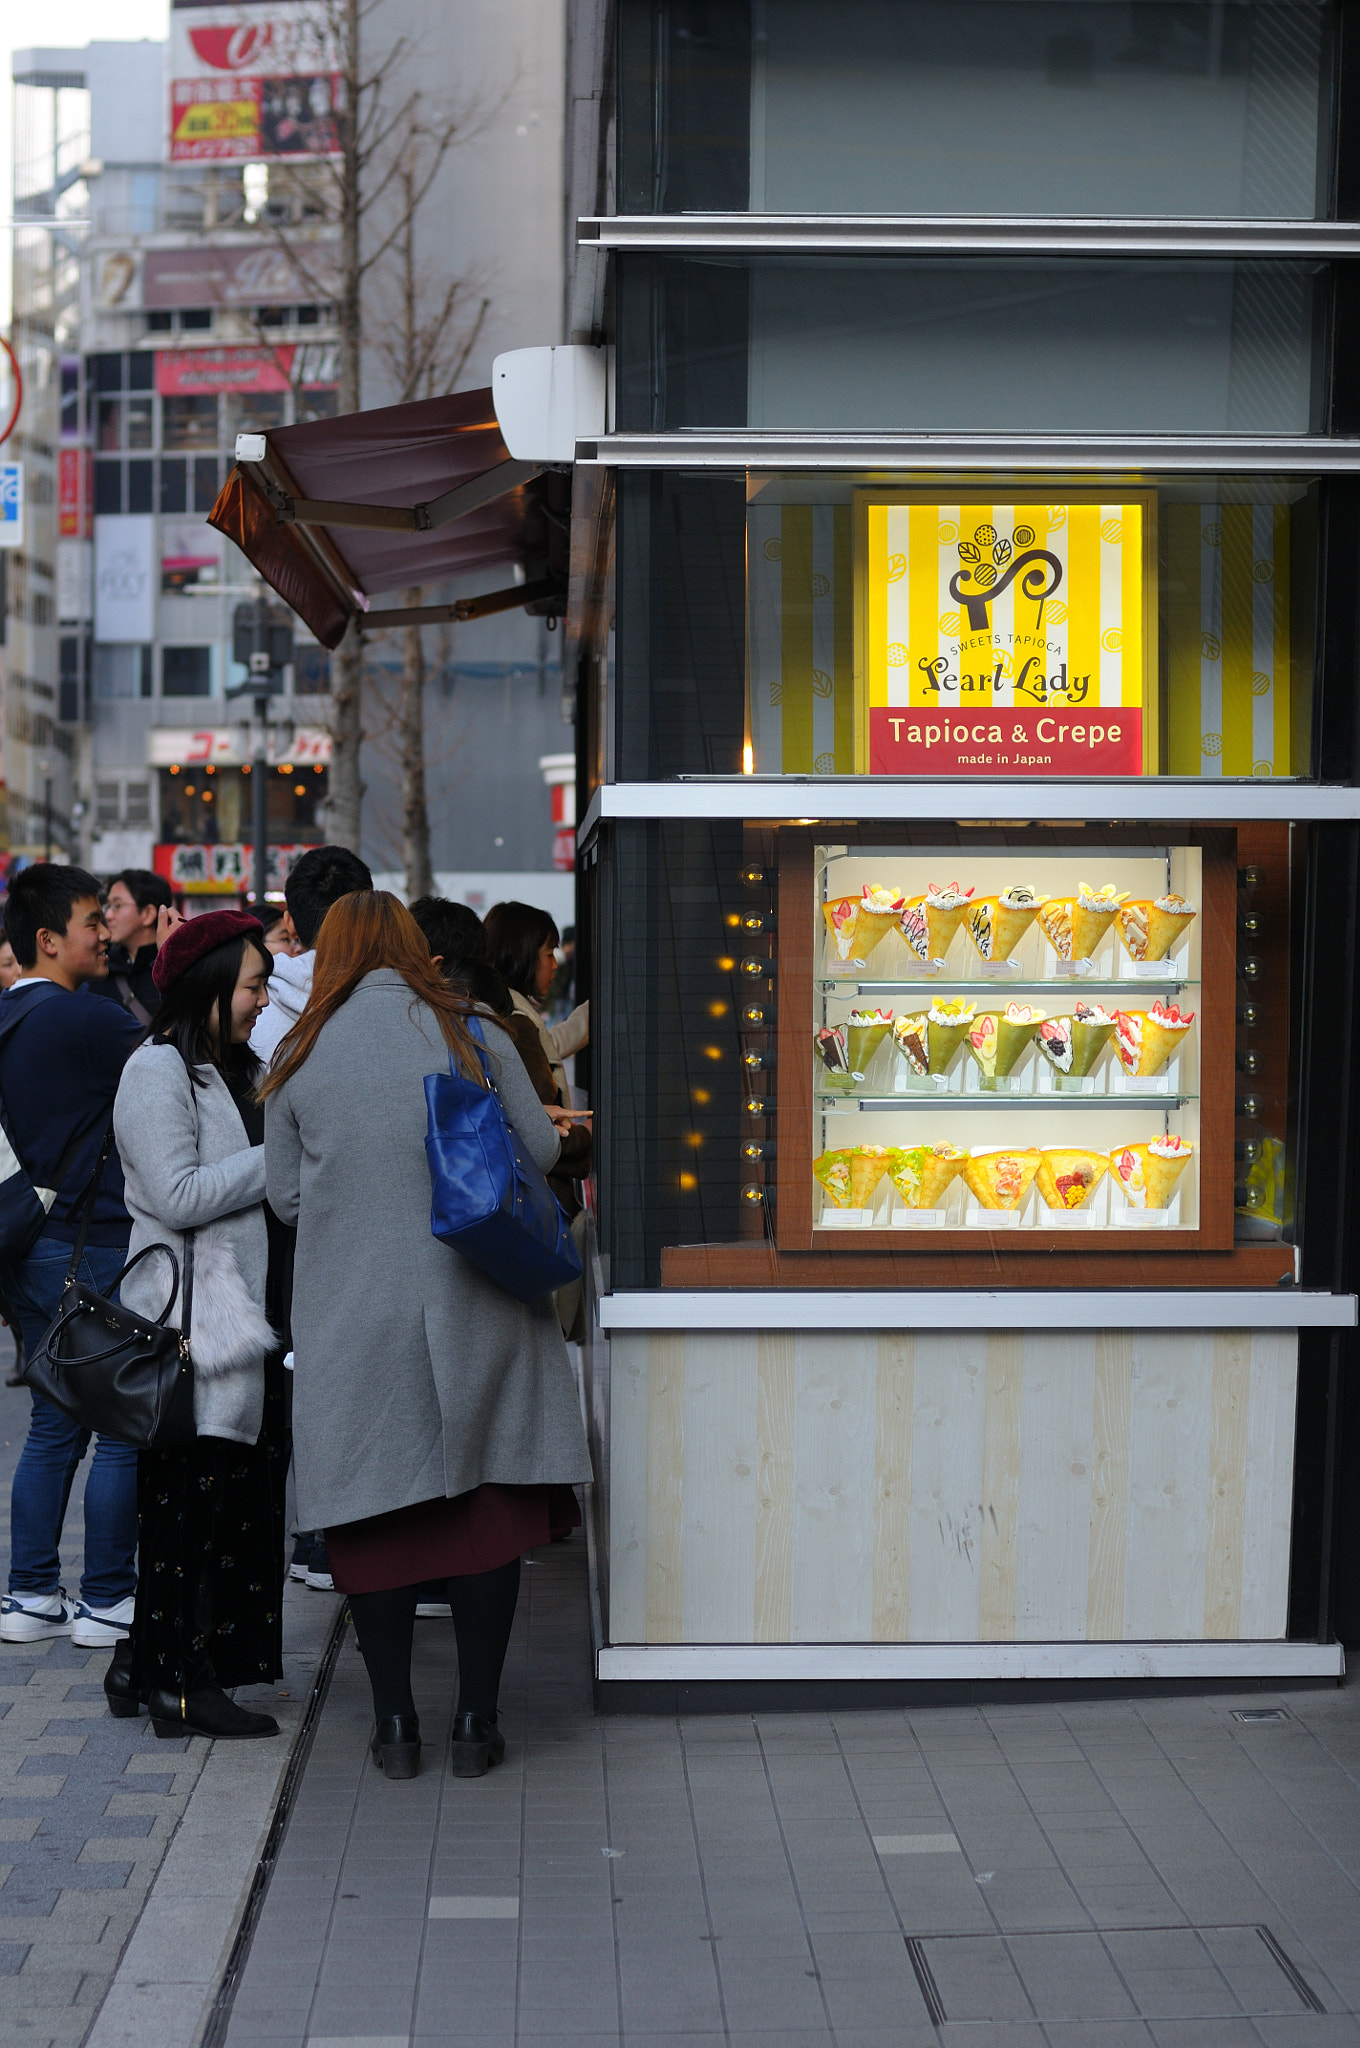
(188, 1165)
(416, 1377)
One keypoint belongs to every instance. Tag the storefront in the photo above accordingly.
(963, 605)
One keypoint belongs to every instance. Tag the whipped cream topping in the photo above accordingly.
(1091, 1013)
(1107, 898)
(960, 1011)
(948, 897)
(1023, 1013)
(1179, 906)
(863, 1019)
(1170, 1148)
(1171, 1017)
(883, 902)
(1020, 897)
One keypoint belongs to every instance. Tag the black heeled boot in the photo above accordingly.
(396, 1745)
(119, 1691)
(477, 1745)
(206, 1710)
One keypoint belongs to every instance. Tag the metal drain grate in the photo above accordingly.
(1126, 1973)
(1253, 1714)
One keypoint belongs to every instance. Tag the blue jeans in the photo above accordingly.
(56, 1445)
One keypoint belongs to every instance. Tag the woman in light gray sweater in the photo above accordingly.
(436, 1428)
(210, 1514)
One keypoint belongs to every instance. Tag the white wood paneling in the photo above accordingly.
(948, 1449)
(628, 1502)
(1057, 1422)
(718, 1514)
(1168, 1471)
(1270, 1483)
(833, 1527)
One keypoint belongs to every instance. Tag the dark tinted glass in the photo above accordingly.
(141, 483)
(141, 372)
(186, 672)
(108, 487)
(172, 484)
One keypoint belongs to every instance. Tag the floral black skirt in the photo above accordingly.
(210, 1566)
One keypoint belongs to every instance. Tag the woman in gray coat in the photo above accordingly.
(436, 1428)
(208, 1612)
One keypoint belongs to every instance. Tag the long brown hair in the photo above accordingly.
(359, 934)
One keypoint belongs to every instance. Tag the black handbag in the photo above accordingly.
(110, 1370)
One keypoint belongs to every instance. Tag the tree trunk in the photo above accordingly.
(346, 785)
(415, 816)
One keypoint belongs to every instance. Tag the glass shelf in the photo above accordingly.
(943, 1100)
(1074, 985)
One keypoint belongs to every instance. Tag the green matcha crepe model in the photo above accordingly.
(946, 1028)
(1072, 1045)
(998, 1038)
(865, 1031)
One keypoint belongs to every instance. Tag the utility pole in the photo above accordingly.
(262, 643)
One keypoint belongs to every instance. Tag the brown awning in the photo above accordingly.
(338, 510)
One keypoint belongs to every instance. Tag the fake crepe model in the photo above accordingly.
(996, 924)
(830, 1043)
(911, 1036)
(929, 922)
(946, 1027)
(852, 1175)
(1072, 1045)
(1075, 925)
(1147, 1173)
(998, 1038)
(1000, 1179)
(1144, 1040)
(859, 923)
(1150, 926)
(922, 1174)
(1069, 1175)
(865, 1031)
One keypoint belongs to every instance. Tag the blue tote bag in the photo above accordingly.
(488, 1199)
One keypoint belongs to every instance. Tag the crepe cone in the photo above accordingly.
(1000, 1180)
(1164, 928)
(1148, 1180)
(1068, 1176)
(842, 924)
(832, 1170)
(1089, 927)
(1144, 1043)
(1088, 1042)
(996, 1041)
(1131, 922)
(996, 928)
(922, 1174)
(928, 929)
(911, 1037)
(1055, 922)
(945, 1040)
(862, 1042)
(868, 1164)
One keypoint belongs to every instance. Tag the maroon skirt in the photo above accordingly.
(447, 1539)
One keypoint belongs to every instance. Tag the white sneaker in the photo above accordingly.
(94, 1628)
(28, 1617)
(319, 1581)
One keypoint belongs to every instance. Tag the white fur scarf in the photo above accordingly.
(227, 1329)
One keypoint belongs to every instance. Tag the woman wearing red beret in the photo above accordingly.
(210, 1514)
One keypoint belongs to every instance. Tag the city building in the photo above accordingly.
(193, 298)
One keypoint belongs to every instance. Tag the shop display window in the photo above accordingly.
(977, 106)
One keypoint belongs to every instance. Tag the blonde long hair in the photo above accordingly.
(359, 934)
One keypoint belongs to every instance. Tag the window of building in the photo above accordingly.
(977, 106)
(141, 486)
(207, 482)
(174, 493)
(311, 670)
(189, 422)
(108, 487)
(139, 422)
(186, 672)
(121, 671)
(196, 319)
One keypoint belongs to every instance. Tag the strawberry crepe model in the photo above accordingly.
(1144, 1040)
(996, 924)
(858, 923)
(929, 922)
(1069, 1175)
(1075, 925)
(999, 1177)
(865, 1031)
(1147, 1172)
(1072, 1045)
(998, 1038)
(922, 1174)
(1149, 927)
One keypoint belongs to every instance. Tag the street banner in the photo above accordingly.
(11, 504)
(253, 82)
(125, 588)
(1008, 639)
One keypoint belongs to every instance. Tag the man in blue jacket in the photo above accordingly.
(59, 1072)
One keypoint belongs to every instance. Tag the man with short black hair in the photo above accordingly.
(60, 1066)
(132, 906)
(321, 877)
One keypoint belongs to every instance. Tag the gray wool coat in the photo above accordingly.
(188, 1165)
(415, 1376)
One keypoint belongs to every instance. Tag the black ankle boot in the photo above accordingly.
(119, 1691)
(477, 1745)
(206, 1711)
(396, 1745)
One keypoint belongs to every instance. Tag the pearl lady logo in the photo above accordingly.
(991, 565)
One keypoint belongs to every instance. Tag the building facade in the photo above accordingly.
(964, 638)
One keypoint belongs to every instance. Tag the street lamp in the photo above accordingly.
(45, 770)
(262, 644)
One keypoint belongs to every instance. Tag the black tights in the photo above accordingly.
(483, 1605)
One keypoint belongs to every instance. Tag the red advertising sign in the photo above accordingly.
(189, 372)
(243, 87)
(1016, 740)
(232, 276)
(73, 494)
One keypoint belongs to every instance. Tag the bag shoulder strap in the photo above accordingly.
(131, 1002)
(91, 1194)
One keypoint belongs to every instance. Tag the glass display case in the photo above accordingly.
(1007, 1054)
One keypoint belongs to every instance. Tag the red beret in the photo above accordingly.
(189, 941)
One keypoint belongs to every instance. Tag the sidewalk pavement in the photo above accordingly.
(127, 1860)
(1152, 1871)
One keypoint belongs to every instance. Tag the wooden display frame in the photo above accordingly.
(799, 939)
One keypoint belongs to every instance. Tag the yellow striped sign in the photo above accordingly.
(801, 639)
(1226, 600)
